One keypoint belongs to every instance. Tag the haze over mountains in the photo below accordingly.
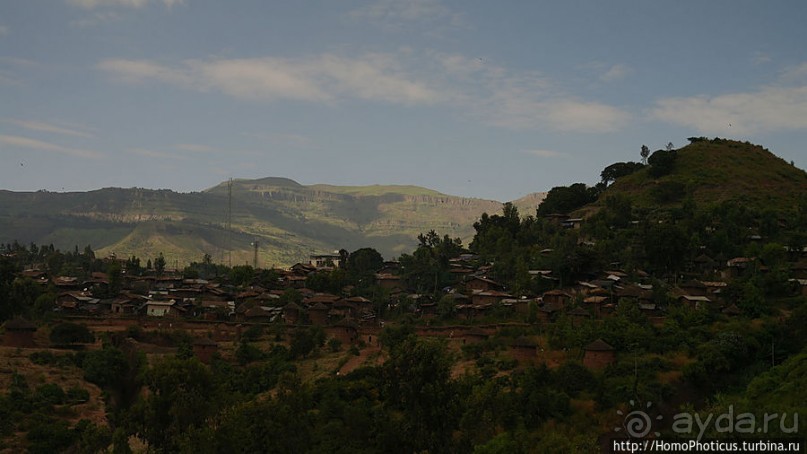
(290, 221)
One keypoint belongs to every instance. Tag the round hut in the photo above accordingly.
(19, 333)
(598, 355)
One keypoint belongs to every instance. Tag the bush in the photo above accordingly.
(71, 333)
(334, 344)
(50, 394)
(77, 395)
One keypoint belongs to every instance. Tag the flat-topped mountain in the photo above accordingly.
(289, 221)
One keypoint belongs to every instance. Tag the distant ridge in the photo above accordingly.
(290, 220)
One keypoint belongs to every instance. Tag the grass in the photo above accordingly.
(715, 172)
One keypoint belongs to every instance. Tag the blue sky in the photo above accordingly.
(475, 98)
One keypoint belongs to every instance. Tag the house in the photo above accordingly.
(325, 260)
(694, 288)
(261, 314)
(294, 281)
(123, 306)
(389, 281)
(801, 284)
(204, 349)
(579, 316)
(694, 302)
(346, 330)
(598, 355)
(737, 266)
(293, 313)
(557, 297)
(318, 314)
(572, 223)
(524, 349)
(489, 297)
(19, 333)
(596, 302)
(160, 308)
(482, 284)
(546, 313)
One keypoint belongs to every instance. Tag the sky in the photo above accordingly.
(483, 99)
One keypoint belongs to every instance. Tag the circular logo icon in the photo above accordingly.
(637, 423)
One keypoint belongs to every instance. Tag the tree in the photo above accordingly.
(565, 199)
(417, 382)
(242, 275)
(115, 274)
(159, 264)
(619, 170)
(362, 264)
(661, 162)
(427, 268)
(644, 154)
(182, 397)
(667, 246)
(71, 333)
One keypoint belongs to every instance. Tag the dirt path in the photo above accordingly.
(357, 361)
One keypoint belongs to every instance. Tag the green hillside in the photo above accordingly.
(715, 171)
(290, 221)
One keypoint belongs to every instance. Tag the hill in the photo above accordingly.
(289, 220)
(716, 171)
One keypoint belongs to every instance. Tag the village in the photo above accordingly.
(471, 309)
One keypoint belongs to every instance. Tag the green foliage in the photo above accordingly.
(565, 199)
(242, 275)
(247, 353)
(666, 192)
(417, 382)
(619, 170)
(305, 341)
(662, 162)
(362, 265)
(182, 397)
(426, 270)
(105, 367)
(159, 264)
(67, 333)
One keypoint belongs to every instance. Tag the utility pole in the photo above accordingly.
(230, 223)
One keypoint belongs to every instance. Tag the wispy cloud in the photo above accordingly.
(195, 148)
(90, 4)
(759, 58)
(524, 99)
(288, 139)
(34, 144)
(545, 153)
(495, 94)
(615, 72)
(779, 106)
(98, 17)
(319, 79)
(155, 154)
(397, 14)
(49, 128)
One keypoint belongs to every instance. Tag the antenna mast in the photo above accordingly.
(230, 222)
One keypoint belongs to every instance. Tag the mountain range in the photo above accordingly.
(289, 221)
